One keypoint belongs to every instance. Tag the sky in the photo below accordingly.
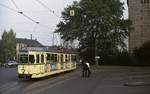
(24, 27)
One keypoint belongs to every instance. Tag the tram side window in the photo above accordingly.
(73, 58)
(31, 59)
(42, 58)
(61, 58)
(48, 57)
(55, 57)
(37, 58)
(52, 57)
(66, 58)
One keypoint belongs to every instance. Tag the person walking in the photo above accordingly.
(88, 72)
(84, 69)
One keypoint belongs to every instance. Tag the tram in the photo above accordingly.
(39, 62)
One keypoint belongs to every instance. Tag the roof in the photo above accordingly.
(60, 49)
(54, 49)
(32, 43)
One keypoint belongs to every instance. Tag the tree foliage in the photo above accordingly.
(142, 54)
(98, 25)
(8, 45)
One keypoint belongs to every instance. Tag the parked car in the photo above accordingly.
(1, 64)
(10, 64)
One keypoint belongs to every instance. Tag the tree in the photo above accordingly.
(8, 45)
(98, 25)
(142, 54)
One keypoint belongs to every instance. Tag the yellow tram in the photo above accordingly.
(39, 62)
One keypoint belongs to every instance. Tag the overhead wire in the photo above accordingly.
(52, 11)
(29, 18)
(15, 4)
(8, 8)
(22, 13)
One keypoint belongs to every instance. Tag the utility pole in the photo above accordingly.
(53, 40)
(31, 36)
(96, 57)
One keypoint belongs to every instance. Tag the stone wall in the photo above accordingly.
(139, 13)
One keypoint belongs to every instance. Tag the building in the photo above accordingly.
(23, 43)
(139, 14)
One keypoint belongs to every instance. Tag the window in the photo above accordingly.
(55, 57)
(52, 57)
(144, 1)
(66, 58)
(48, 57)
(42, 58)
(31, 59)
(61, 58)
(23, 59)
(73, 58)
(37, 58)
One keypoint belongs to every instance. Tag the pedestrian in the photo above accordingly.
(80, 62)
(88, 72)
(84, 69)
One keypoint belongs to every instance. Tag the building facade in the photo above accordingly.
(139, 14)
(24, 43)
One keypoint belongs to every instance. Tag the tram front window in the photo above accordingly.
(23, 58)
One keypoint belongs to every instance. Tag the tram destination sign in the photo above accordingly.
(34, 49)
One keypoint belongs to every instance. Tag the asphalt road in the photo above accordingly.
(106, 80)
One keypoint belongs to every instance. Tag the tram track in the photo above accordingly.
(36, 88)
(36, 85)
(7, 86)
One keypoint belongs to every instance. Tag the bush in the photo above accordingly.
(122, 58)
(142, 54)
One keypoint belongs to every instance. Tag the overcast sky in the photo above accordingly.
(33, 9)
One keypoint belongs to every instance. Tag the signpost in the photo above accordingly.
(96, 59)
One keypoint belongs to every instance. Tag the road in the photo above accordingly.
(106, 80)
